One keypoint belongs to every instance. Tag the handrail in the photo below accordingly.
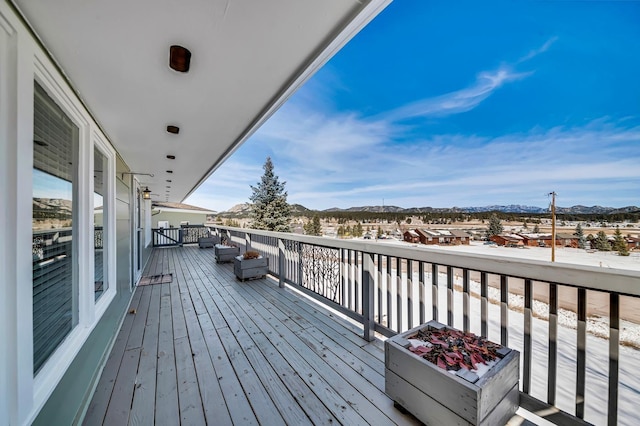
(624, 282)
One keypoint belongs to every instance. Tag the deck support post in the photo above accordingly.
(368, 291)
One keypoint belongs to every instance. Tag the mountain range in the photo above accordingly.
(244, 209)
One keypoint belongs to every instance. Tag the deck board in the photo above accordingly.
(208, 349)
(166, 402)
(102, 395)
(142, 410)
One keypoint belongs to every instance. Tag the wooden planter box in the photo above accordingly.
(208, 242)
(225, 253)
(250, 268)
(436, 396)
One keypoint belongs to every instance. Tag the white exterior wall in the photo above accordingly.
(174, 218)
(22, 62)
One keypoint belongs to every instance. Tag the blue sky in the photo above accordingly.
(464, 104)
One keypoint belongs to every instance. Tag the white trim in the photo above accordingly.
(170, 210)
(9, 376)
(136, 223)
(84, 249)
(23, 224)
(148, 239)
(108, 221)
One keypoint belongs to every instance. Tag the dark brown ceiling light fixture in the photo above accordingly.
(169, 171)
(179, 58)
(173, 129)
(171, 157)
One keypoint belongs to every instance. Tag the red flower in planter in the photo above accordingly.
(452, 349)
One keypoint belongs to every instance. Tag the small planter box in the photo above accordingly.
(208, 242)
(436, 396)
(225, 253)
(250, 268)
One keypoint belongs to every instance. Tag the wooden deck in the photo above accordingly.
(208, 349)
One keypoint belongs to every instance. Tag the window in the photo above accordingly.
(54, 225)
(100, 239)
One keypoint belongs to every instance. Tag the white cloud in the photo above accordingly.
(343, 160)
(466, 99)
(535, 52)
(459, 101)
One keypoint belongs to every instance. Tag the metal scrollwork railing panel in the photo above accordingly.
(191, 233)
(321, 270)
(98, 237)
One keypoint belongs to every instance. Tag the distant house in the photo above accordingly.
(175, 214)
(411, 237)
(428, 236)
(633, 243)
(508, 240)
(536, 240)
(544, 240)
(462, 237)
(443, 236)
(567, 240)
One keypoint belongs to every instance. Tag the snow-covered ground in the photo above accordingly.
(604, 259)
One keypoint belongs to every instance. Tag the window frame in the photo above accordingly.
(108, 220)
(90, 311)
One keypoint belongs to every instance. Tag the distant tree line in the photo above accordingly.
(458, 217)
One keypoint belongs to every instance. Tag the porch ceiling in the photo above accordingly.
(248, 56)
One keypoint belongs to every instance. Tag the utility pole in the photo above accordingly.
(553, 226)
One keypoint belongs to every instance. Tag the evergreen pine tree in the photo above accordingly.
(270, 210)
(536, 229)
(357, 230)
(313, 227)
(580, 234)
(601, 242)
(619, 244)
(495, 227)
(380, 232)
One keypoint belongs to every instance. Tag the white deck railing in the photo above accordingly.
(390, 288)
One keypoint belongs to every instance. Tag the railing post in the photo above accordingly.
(614, 355)
(450, 296)
(552, 363)
(247, 241)
(504, 310)
(484, 304)
(368, 291)
(434, 292)
(281, 263)
(300, 260)
(526, 376)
